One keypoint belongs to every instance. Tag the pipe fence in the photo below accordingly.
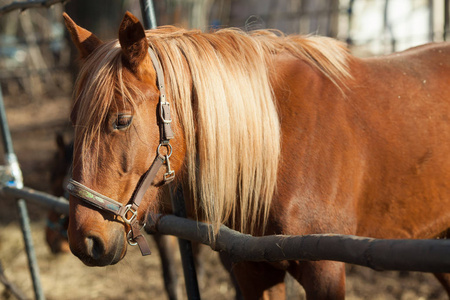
(401, 255)
(378, 254)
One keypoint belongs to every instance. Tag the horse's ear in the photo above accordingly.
(84, 40)
(133, 41)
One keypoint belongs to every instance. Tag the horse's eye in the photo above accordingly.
(122, 122)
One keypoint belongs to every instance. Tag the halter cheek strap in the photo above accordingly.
(128, 212)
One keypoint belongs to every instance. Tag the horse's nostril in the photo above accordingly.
(95, 247)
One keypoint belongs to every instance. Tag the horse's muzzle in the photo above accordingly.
(95, 251)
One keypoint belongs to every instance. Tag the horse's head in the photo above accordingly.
(225, 122)
(117, 120)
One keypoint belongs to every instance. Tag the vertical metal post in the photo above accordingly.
(332, 20)
(13, 164)
(32, 261)
(431, 21)
(148, 14)
(446, 19)
(388, 27)
(10, 156)
(350, 22)
(187, 258)
(179, 209)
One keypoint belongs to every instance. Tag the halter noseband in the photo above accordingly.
(128, 212)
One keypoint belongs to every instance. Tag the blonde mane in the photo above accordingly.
(220, 89)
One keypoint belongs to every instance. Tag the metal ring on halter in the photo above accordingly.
(130, 239)
(169, 147)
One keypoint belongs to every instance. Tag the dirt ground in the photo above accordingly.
(33, 125)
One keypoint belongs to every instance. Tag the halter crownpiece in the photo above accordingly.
(128, 212)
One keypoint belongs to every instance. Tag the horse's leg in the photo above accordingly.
(197, 249)
(444, 279)
(167, 249)
(226, 262)
(260, 280)
(320, 279)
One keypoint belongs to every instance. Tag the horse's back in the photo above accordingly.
(371, 157)
(401, 106)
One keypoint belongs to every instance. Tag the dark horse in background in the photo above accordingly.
(274, 134)
(60, 170)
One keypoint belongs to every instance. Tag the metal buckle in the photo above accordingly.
(169, 176)
(130, 240)
(161, 113)
(133, 216)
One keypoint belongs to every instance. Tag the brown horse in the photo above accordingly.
(57, 223)
(273, 134)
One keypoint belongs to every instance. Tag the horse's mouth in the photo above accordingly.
(90, 262)
(99, 256)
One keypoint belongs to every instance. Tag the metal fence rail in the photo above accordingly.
(11, 175)
(378, 254)
(58, 204)
(10, 286)
(13, 178)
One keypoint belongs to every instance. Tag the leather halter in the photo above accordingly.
(128, 212)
